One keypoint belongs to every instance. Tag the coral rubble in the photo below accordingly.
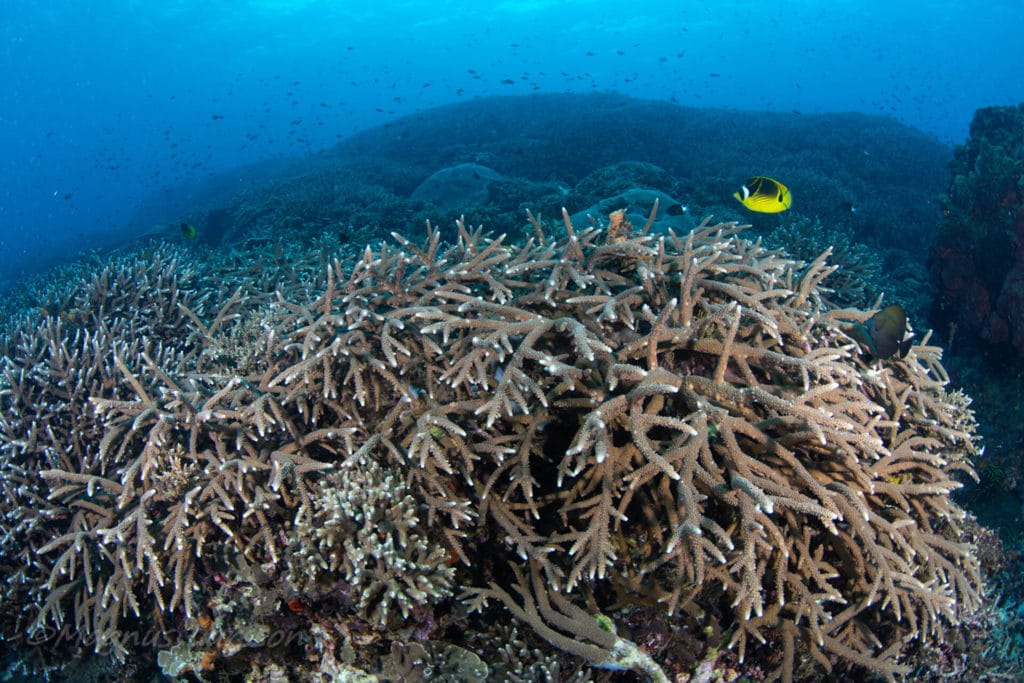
(570, 430)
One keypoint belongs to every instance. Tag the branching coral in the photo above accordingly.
(584, 424)
(859, 275)
(363, 526)
(727, 436)
(60, 547)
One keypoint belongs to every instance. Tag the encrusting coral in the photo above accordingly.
(570, 429)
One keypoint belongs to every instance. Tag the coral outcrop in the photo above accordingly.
(585, 427)
(977, 260)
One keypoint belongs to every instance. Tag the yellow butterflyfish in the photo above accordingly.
(764, 195)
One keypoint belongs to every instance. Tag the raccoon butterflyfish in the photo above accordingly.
(885, 333)
(764, 195)
(188, 231)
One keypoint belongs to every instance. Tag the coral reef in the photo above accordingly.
(573, 150)
(317, 465)
(53, 444)
(889, 171)
(977, 259)
(456, 187)
(859, 277)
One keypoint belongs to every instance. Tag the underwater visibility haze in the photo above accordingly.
(511, 341)
(110, 106)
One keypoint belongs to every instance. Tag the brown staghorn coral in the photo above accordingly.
(727, 438)
(676, 421)
(57, 549)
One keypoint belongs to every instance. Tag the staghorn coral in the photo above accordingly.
(586, 425)
(54, 549)
(727, 437)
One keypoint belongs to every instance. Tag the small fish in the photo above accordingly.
(188, 231)
(888, 330)
(884, 334)
(764, 195)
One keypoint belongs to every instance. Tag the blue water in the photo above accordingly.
(108, 105)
